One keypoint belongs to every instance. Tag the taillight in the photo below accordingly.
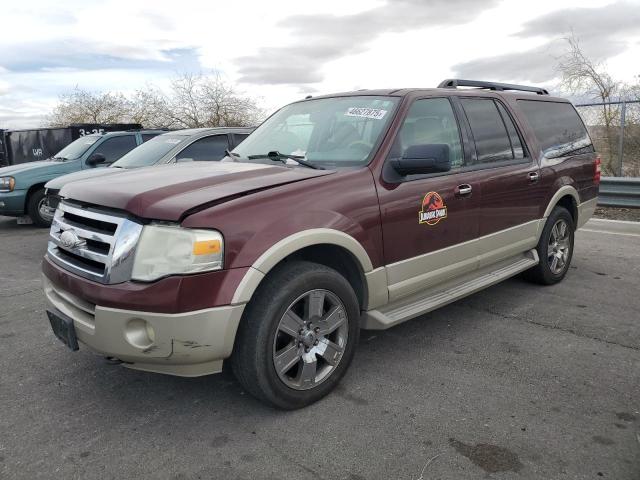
(596, 172)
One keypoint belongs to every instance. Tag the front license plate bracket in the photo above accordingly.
(64, 329)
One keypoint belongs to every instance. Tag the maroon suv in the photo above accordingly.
(348, 211)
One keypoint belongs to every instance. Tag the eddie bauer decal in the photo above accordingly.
(433, 209)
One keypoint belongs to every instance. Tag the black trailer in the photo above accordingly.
(21, 146)
(3, 154)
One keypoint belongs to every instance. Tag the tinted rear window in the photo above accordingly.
(489, 131)
(558, 128)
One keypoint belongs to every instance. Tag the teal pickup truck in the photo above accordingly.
(22, 186)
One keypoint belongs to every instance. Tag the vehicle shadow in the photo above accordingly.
(10, 224)
(116, 389)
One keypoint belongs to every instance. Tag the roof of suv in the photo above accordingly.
(116, 133)
(452, 85)
(194, 131)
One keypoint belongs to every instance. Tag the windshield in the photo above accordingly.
(76, 148)
(149, 152)
(330, 132)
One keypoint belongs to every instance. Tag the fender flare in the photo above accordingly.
(562, 191)
(291, 244)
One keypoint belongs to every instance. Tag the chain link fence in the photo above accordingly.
(615, 130)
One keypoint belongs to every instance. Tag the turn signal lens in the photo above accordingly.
(207, 247)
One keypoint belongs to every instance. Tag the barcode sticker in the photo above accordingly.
(363, 112)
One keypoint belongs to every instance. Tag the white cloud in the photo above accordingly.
(123, 45)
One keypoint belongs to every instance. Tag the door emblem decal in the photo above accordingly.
(433, 209)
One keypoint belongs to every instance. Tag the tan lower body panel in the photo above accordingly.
(447, 292)
(586, 210)
(184, 344)
(426, 271)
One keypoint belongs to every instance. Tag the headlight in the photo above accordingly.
(166, 250)
(7, 184)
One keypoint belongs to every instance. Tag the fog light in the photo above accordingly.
(139, 333)
(1, 204)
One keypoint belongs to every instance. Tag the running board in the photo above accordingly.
(423, 302)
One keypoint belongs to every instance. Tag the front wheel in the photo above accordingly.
(298, 335)
(555, 248)
(38, 209)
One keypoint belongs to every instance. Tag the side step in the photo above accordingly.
(424, 302)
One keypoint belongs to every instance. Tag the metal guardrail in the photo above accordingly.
(619, 192)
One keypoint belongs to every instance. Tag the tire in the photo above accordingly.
(553, 244)
(33, 209)
(267, 338)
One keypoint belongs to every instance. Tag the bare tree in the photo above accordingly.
(193, 100)
(82, 106)
(583, 76)
(198, 100)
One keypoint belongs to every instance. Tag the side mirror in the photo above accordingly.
(422, 159)
(96, 159)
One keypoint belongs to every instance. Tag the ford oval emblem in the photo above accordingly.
(69, 239)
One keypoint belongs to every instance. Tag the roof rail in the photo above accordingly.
(456, 82)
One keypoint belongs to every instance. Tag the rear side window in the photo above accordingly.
(493, 141)
(239, 137)
(207, 148)
(115, 147)
(148, 136)
(514, 138)
(557, 127)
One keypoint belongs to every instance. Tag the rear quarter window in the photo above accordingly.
(149, 136)
(558, 128)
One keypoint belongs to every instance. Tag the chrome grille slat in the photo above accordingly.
(81, 212)
(96, 254)
(83, 231)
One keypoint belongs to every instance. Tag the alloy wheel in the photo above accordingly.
(559, 246)
(310, 339)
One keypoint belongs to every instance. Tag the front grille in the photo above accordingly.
(99, 246)
(53, 198)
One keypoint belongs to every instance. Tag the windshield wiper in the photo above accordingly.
(62, 159)
(281, 157)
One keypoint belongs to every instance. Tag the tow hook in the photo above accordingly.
(113, 360)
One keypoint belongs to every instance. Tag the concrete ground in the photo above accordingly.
(518, 381)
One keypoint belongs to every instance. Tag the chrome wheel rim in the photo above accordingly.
(43, 208)
(559, 247)
(310, 339)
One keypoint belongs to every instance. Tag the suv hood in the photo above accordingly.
(167, 192)
(59, 182)
(13, 170)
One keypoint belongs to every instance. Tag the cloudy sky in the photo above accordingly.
(282, 50)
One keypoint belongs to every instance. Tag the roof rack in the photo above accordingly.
(456, 82)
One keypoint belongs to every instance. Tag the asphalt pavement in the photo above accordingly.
(516, 382)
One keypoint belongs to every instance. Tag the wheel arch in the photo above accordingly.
(568, 197)
(332, 248)
(30, 191)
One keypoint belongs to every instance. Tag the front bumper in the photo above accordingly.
(186, 344)
(12, 203)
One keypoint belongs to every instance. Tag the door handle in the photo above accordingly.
(463, 190)
(533, 177)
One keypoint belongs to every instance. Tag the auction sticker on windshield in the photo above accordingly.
(363, 112)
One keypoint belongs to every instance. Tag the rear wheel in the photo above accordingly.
(555, 248)
(37, 209)
(298, 335)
